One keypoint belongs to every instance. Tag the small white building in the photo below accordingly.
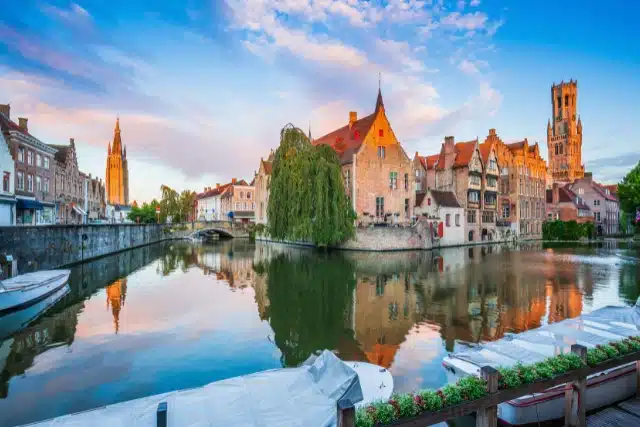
(7, 190)
(210, 203)
(118, 214)
(444, 213)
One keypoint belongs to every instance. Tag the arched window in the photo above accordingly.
(471, 236)
(556, 149)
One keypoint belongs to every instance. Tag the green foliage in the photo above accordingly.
(146, 214)
(178, 206)
(567, 230)
(472, 388)
(256, 229)
(629, 191)
(307, 201)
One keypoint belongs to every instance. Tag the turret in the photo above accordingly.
(579, 126)
(549, 128)
(109, 150)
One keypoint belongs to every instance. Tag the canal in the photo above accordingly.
(175, 315)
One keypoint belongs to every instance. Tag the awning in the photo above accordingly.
(29, 204)
(78, 210)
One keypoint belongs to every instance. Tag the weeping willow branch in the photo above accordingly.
(307, 200)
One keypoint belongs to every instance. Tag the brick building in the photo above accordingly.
(523, 173)
(461, 169)
(564, 135)
(117, 170)
(69, 186)
(377, 172)
(95, 199)
(424, 172)
(603, 205)
(565, 205)
(262, 181)
(34, 171)
(7, 190)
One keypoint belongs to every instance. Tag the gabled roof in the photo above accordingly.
(267, 166)
(348, 139)
(445, 198)
(603, 192)
(420, 198)
(428, 162)
(213, 192)
(61, 155)
(464, 153)
(516, 145)
(565, 195)
(613, 189)
(485, 150)
(6, 125)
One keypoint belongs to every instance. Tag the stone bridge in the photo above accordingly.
(221, 228)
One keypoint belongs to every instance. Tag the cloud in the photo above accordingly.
(474, 3)
(612, 169)
(469, 21)
(468, 67)
(400, 52)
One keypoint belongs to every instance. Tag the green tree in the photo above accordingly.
(307, 200)
(629, 191)
(146, 214)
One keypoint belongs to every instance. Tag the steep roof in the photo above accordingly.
(485, 150)
(267, 166)
(516, 145)
(214, 191)
(420, 197)
(61, 155)
(428, 162)
(348, 139)
(464, 153)
(445, 198)
(565, 195)
(6, 125)
(613, 189)
(603, 192)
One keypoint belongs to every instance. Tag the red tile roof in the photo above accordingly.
(445, 198)
(348, 139)
(268, 166)
(565, 195)
(613, 189)
(464, 153)
(431, 160)
(214, 191)
(6, 125)
(603, 192)
(485, 149)
(516, 145)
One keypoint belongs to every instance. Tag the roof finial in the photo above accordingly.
(118, 123)
(379, 80)
(379, 103)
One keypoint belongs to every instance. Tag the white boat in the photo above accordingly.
(26, 289)
(290, 397)
(15, 320)
(604, 388)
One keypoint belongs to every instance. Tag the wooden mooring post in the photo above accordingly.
(488, 416)
(575, 393)
(346, 417)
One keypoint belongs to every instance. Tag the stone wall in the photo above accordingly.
(390, 238)
(46, 247)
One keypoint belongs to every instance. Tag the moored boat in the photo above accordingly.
(597, 328)
(308, 395)
(26, 289)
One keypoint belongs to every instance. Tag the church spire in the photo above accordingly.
(109, 151)
(117, 141)
(379, 103)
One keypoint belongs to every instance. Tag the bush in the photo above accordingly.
(567, 230)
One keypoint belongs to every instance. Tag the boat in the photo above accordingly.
(305, 396)
(26, 289)
(16, 320)
(597, 328)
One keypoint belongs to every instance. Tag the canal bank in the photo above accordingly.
(47, 247)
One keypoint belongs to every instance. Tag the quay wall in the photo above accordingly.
(47, 247)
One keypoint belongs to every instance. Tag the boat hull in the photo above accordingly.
(16, 298)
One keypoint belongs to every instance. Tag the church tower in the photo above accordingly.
(564, 134)
(117, 171)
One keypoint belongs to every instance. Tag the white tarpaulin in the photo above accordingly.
(307, 396)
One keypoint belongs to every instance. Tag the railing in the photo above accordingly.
(486, 407)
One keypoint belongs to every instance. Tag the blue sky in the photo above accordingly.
(203, 87)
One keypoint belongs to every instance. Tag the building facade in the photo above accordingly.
(523, 174)
(564, 134)
(34, 171)
(209, 203)
(565, 205)
(444, 214)
(424, 172)
(69, 186)
(117, 172)
(95, 200)
(7, 191)
(461, 170)
(603, 205)
(378, 174)
(262, 182)
(238, 201)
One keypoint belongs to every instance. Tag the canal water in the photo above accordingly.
(175, 315)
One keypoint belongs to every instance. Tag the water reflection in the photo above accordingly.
(180, 315)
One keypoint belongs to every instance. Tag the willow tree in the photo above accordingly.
(307, 201)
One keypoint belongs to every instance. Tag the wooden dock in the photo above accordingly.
(623, 414)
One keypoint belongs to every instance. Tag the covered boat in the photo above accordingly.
(305, 396)
(26, 289)
(597, 328)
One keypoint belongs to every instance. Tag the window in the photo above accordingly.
(244, 206)
(471, 217)
(448, 220)
(46, 185)
(242, 194)
(29, 157)
(457, 220)
(30, 183)
(581, 191)
(406, 208)
(474, 197)
(38, 160)
(428, 201)
(474, 180)
(596, 203)
(393, 180)
(598, 216)
(566, 100)
(492, 181)
(471, 240)
(249, 195)
(20, 181)
(490, 199)
(21, 154)
(381, 152)
(493, 165)
(347, 178)
(379, 206)
(506, 211)
(253, 206)
(406, 182)
(237, 206)
(487, 217)
(38, 183)
(380, 132)
(556, 148)
(6, 177)
(46, 163)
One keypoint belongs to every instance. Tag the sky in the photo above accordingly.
(203, 87)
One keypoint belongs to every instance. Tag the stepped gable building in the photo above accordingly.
(523, 174)
(117, 174)
(564, 134)
(69, 185)
(461, 169)
(378, 174)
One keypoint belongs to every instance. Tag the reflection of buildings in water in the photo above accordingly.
(565, 302)
(262, 296)
(116, 294)
(49, 332)
(237, 271)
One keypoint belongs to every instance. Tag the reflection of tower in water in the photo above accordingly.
(116, 294)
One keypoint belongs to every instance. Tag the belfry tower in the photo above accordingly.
(117, 171)
(564, 134)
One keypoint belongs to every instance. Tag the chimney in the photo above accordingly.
(218, 185)
(233, 180)
(449, 144)
(588, 176)
(22, 123)
(492, 132)
(6, 110)
(353, 117)
(72, 141)
(556, 193)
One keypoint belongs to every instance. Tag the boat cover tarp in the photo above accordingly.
(307, 396)
(32, 279)
(599, 327)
